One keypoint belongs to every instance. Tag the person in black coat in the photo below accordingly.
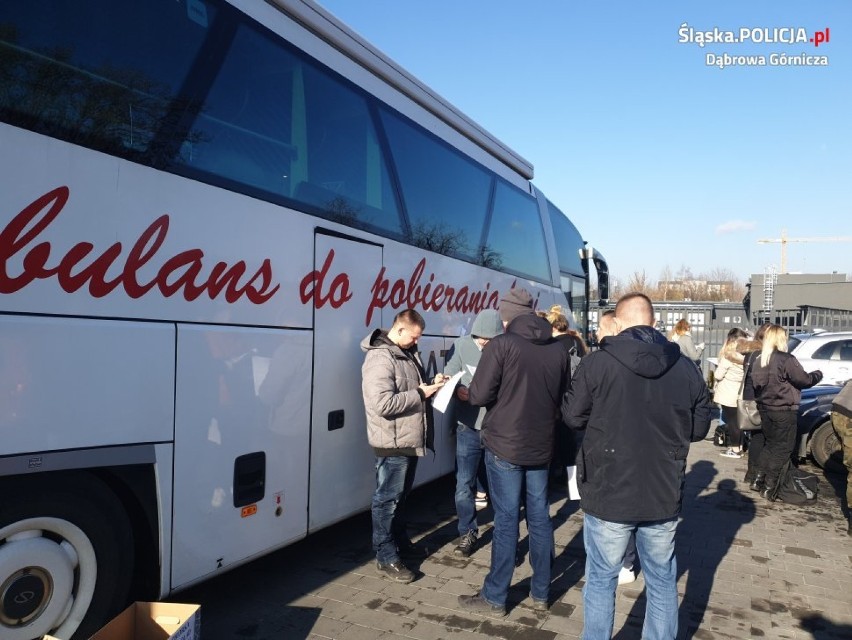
(521, 379)
(776, 381)
(641, 403)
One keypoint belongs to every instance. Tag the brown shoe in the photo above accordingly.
(477, 604)
(540, 605)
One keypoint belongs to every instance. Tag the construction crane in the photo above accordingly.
(783, 240)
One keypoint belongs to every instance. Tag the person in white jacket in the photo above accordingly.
(728, 381)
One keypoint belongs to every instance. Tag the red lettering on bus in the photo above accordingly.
(401, 292)
(311, 287)
(179, 273)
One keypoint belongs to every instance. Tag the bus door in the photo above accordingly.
(342, 479)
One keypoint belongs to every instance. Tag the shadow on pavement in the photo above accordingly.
(707, 530)
(823, 629)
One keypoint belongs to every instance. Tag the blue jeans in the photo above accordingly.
(394, 479)
(504, 483)
(605, 544)
(468, 456)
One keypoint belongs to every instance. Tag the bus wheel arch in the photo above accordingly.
(66, 555)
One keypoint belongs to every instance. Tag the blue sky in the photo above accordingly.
(659, 159)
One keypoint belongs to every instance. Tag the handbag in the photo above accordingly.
(748, 417)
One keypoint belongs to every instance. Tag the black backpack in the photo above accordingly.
(796, 486)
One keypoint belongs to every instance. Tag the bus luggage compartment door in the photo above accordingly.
(342, 463)
(241, 445)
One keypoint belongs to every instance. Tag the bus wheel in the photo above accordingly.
(66, 554)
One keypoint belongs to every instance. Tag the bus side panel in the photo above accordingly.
(434, 466)
(75, 383)
(342, 477)
(239, 391)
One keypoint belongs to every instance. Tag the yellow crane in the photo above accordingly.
(783, 240)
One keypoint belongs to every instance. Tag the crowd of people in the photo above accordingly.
(531, 399)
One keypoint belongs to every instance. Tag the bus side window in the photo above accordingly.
(243, 133)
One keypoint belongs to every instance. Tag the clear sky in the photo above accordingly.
(659, 159)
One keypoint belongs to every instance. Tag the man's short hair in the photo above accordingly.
(410, 317)
(634, 309)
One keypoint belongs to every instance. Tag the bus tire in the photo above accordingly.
(66, 556)
(825, 448)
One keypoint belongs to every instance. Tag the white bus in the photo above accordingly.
(205, 206)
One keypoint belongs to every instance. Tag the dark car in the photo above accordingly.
(815, 433)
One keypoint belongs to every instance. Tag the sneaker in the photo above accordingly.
(395, 571)
(540, 605)
(477, 604)
(626, 576)
(466, 545)
(730, 453)
(481, 500)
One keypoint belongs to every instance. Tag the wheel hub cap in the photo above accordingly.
(24, 596)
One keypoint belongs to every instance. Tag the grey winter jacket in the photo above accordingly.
(465, 356)
(398, 418)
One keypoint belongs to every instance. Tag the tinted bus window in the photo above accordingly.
(568, 242)
(272, 121)
(113, 92)
(515, 236)
(445, 194)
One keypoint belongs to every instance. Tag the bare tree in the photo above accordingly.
(639, 282)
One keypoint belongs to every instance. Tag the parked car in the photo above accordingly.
(815, 433)
(828, 351)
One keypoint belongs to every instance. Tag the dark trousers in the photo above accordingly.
(756, 442)
(729, 417)
(779, 431)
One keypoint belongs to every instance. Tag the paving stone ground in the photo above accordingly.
(747, 568)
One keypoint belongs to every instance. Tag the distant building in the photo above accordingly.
(801, 301)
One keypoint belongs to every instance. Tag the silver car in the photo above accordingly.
(828, 351)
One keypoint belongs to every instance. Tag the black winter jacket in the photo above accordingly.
(641, 403)
(777, 386)
(521, 379)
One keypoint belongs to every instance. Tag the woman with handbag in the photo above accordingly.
(728, 378)
(749, 350)
(777, 379)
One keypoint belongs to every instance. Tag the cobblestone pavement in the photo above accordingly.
(747, 568)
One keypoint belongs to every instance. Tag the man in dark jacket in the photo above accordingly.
(641, 403)
(520, 379)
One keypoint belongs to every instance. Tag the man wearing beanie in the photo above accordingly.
(520, 379)
(464, 359)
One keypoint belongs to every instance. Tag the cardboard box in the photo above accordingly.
(154, 621)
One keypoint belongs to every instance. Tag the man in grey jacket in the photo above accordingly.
(398, 428)
(464, 359)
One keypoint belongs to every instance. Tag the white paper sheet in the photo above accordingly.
(573, 490)
(445, 393)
